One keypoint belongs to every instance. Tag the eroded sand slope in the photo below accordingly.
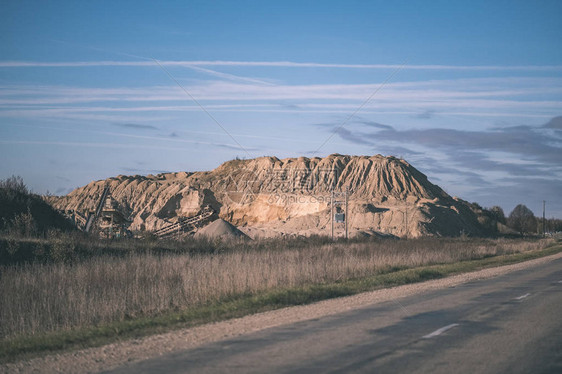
(267, 196)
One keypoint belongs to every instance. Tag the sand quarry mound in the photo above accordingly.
(220, 229)
(268, 196)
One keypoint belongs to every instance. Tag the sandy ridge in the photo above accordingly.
(288, 197)
(117, 354)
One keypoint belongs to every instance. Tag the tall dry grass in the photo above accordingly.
(36, 298)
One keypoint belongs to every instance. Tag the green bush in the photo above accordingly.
(21, 250)
(22, 225)
(24, 214)
(63, 248)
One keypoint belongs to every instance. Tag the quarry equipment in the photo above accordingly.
(94, 215)
(112, 222)
(107, 219)
(185, 225)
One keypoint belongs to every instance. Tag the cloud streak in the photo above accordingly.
(475, 162)
(227, 76)
(122, 145)
(284, 64)
(481, 97)
(137, 126)
(505, 166)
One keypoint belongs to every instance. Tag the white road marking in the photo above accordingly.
(559, 281)
(523, 296)
(440, 331)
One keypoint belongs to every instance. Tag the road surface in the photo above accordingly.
(508, 324)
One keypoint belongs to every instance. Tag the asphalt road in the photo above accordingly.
(508, 324)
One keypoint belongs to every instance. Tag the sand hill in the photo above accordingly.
(268, 196)
(220, 229)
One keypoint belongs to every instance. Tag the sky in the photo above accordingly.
(469, 93)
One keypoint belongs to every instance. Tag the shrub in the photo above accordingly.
(498, 214)
(63, 247)
(22, 225)
(24, 214)
(15, 184)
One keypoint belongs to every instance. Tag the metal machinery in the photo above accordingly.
(112, 223)
(186, 225)
(338, 210)
(108, 219)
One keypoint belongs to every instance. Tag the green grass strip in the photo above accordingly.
(20, 347)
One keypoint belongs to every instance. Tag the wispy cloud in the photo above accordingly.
(137, 126)
(85, 144)
(487, 97)
(373, 124)
(228, 76)
(555, 123)
(123, 145)
(426, 114)
(290, 64)
(164, 140)
(174, 137)
(143, 171)
(512, 150)
(345, 134)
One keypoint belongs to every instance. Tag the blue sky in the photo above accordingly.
(468, 92)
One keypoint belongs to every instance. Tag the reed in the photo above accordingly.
(42, 297)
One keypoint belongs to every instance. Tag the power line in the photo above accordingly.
(361, 106)
(200, 106)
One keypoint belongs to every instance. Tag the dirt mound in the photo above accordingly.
(222, 230)
(272, 197)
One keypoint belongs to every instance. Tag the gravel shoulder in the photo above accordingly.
(107, 357)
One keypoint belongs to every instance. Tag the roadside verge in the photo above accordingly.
(133, 342)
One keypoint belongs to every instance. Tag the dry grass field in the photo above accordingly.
(42, 297)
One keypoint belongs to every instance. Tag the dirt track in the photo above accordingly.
(114, 355)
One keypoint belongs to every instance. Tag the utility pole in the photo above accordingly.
(543, 219)
(406, 216)
(346, 217)
(111, 228)
(332, 212)
(336, 205)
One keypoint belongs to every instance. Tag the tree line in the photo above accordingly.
(524, 221)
